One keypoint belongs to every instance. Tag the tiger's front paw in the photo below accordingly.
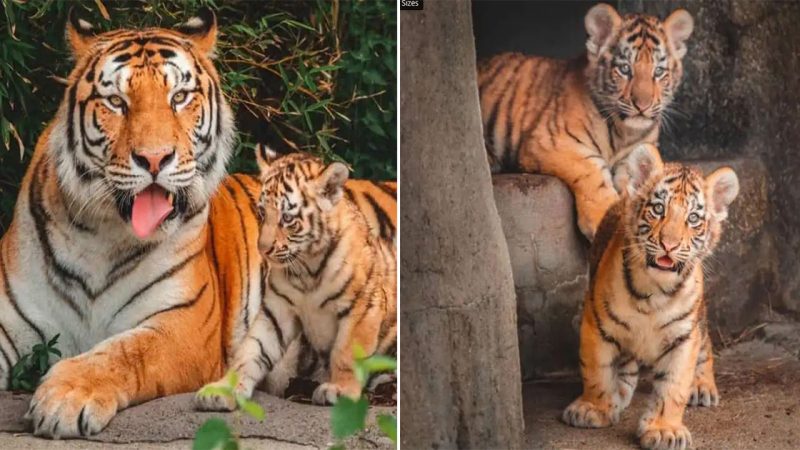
(704, 393)
(328, 393)
(71, 402)
(214, 401)
(657, 436)
(584, 414)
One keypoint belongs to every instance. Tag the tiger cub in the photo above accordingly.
(331, 283)
(645, 304)
(576, 119)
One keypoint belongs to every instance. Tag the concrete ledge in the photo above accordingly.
(287, 424)
(548, 258)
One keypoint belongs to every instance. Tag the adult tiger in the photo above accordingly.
(332, 282)
(645, 305)
(115, 243)
(574, 119)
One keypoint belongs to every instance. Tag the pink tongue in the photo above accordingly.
(150, 208)
(665, 261)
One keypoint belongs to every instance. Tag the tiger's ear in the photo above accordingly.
(330, 184)
(602, 23)
(643, 162)
(265, 156)
(722, 187)
(201, 30)
(80, 34)
(679, 26)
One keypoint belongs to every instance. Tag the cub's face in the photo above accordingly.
(635, 63)
(675, 213)
(146, 130)
(298, 197)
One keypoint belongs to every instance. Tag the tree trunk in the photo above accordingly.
(460, 358)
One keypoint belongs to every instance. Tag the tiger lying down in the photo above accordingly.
(131, 242)
(645, 305)
(331, 282)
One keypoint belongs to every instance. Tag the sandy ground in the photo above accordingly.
(759, 407)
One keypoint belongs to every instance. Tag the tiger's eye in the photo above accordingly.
(659, 71)
(286, 218)
(179, 97)
(658, 208)
(694, 218)
(116, 101)
(624, 69)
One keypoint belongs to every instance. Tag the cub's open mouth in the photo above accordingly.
(149, 210)
(664, 262)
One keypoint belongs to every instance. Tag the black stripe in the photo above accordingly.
(275, 324)
(279, 294)
(8, 336)
(386, 227)
(605, 336)
(338, 293)
(614, 317)
(382, 185)
(13, 298)
(244, 274)
(677, 342)
(344, 313)
(187, 304)
(629, 279)
(172, 271)
(679, 317)
(332, 246)
(253, 202)
(266, 359)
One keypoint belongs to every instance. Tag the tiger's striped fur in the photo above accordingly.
(645, 305)
(331, 283)
(576, 119)
(139, 316)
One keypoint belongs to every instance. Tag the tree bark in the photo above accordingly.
(460, 375)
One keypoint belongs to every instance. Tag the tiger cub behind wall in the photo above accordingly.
(330, 246)
(576, 119)
(645, 304)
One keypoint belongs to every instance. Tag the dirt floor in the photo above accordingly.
(759, 408)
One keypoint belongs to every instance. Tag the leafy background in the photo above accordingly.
(315, 75)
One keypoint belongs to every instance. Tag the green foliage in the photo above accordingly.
(348, 416)
(215, 433)
(313, 75)
(31, 367)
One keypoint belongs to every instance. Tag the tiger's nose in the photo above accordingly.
(642, 103)
(153, 160)
(669, 244)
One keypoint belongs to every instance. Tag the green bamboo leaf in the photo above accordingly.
(348, 416)
(212, 435)
(388, 424)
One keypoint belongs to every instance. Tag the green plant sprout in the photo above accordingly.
(29, 370)
(348, 416)
(215, 433)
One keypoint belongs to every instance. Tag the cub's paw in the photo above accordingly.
(583, 414)
(72, 403)
(703, 394)
(206, 399)
(328, 393)
(664, 437)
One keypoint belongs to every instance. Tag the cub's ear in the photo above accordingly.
(265, 156)
(201, 30)
(330, 184)
(722, 187)
(602, 23)
(80, 34)
(679, 26)
(643, 162)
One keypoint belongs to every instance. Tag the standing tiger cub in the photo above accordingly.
(576, 119)
(331, 284)
(645, 304)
